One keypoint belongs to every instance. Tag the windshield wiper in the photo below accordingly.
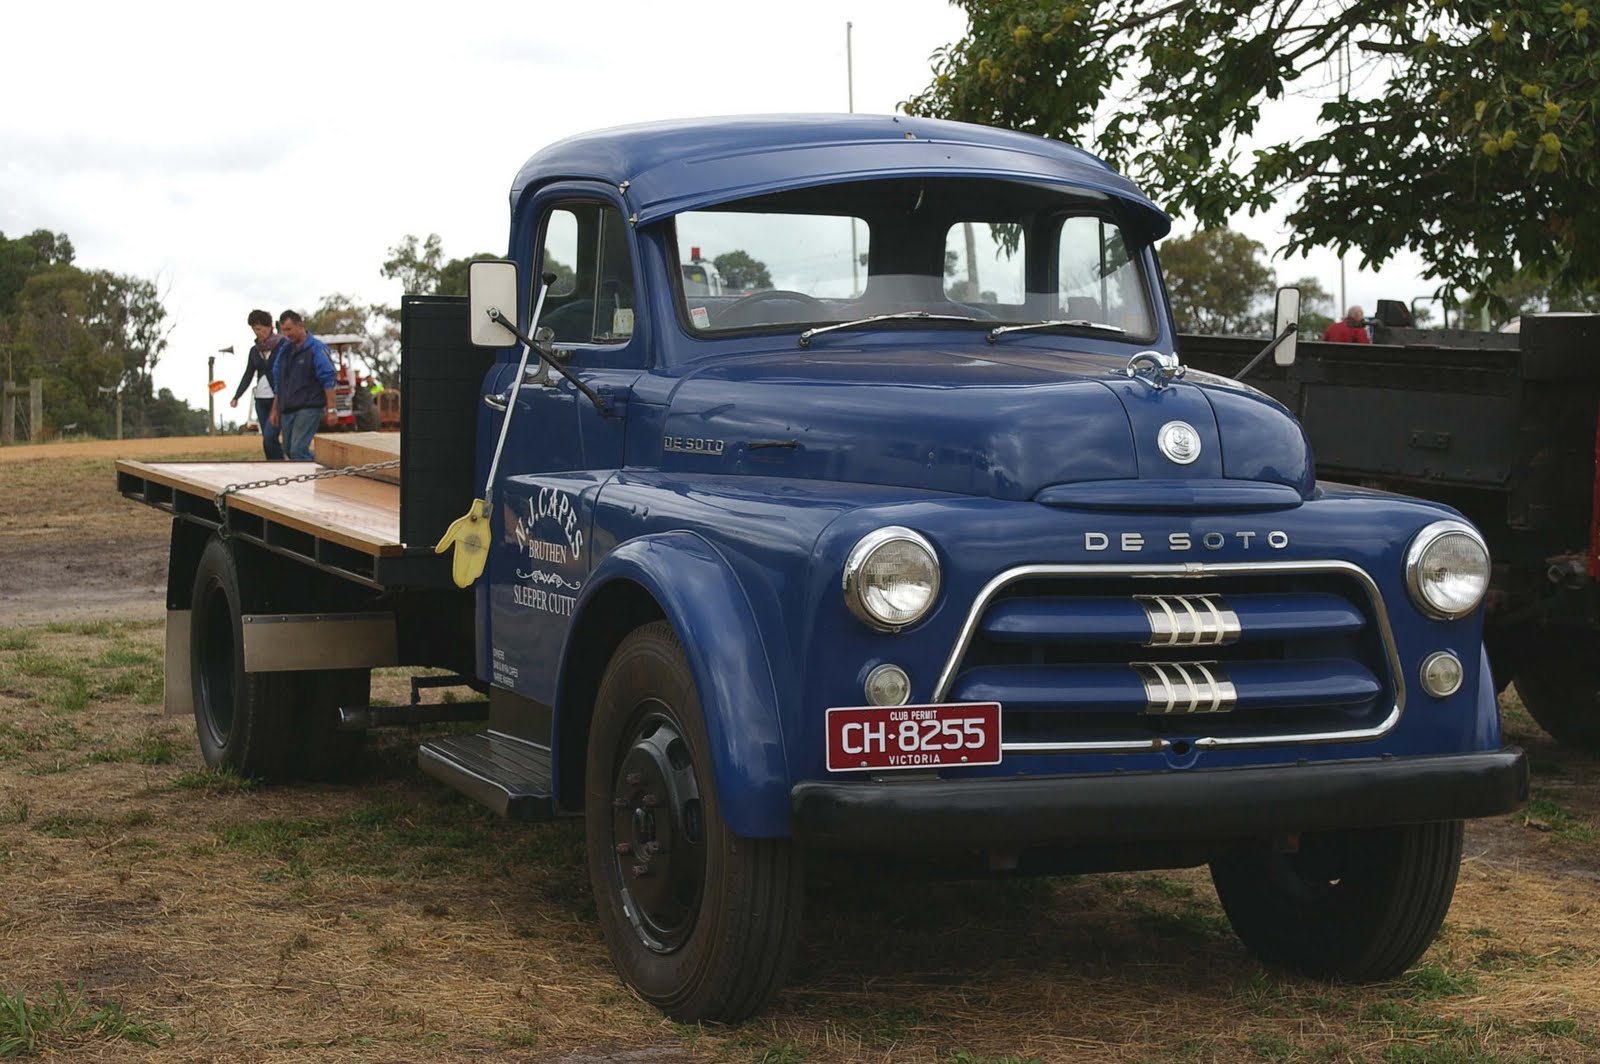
(1067, 323)
(904, 315)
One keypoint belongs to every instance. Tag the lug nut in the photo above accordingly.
(641, 871)
(652, 847)
(624, 849)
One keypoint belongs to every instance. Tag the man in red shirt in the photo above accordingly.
(1350, 330)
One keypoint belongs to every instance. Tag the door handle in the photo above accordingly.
(498, 402)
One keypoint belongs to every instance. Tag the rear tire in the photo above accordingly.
(701, 923)
(262, 725)
(1562, 693)
(243, 720)
(1359, 906)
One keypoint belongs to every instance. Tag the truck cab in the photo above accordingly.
(931, 547)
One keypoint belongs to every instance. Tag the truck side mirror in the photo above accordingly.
(1288, 317)
(491, 284)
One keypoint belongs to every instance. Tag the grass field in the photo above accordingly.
(153, 911)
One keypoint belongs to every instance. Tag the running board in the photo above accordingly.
(507, 774)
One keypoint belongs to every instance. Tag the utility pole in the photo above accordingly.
(211, 396)
(850, 102)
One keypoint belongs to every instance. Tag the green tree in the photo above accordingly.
(1219, 282)
(421, 268)
(89, 333)
(740, 270)
(1316, 307)
(167, 415)
(128, 322)
(25, 256)
(453, 274)
(339, 313)
(1467, 133)
(53, 341)
(416, 264)
(1527, 293)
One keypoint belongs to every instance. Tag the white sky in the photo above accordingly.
(269, 155)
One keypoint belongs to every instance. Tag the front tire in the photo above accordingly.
(701, 923)
(1359, 906)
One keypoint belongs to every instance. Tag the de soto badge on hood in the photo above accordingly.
(1179, 441)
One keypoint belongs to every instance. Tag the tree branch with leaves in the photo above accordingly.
(1467, 133)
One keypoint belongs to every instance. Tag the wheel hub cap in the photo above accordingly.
(658, 832)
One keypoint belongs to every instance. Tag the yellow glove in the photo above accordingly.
(469, 534)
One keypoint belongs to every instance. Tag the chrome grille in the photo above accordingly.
(1121, 658)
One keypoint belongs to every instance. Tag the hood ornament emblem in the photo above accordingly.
(1155, 369)
(1179, 442)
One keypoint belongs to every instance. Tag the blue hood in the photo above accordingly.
(1004, 423)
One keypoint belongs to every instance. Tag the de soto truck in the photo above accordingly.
(931, 546)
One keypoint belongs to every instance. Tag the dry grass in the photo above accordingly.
(388, 919)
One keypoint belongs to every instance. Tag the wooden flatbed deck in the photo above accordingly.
(354, 512)
(347, 524)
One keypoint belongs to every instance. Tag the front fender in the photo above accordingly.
(704, 602)
(1487, 731)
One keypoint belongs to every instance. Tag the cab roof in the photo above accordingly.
(664, 168)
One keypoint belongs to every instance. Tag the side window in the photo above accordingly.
(984, 263)
(1098, 278)
(561, 252)
(592, 299)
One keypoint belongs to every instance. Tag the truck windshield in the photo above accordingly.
(944, 253)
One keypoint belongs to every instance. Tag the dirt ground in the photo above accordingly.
(386, 919)
(74, 548)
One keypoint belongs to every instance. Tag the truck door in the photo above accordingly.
(560, 448)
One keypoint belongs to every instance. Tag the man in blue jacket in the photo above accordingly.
(303, 377)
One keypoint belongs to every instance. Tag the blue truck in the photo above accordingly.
(925, 543)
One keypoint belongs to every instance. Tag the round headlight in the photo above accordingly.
(891, 578)
(1447, 570)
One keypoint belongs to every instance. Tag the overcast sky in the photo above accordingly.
(269, 155)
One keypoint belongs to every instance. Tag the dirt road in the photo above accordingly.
(71, 548)
(243, 448)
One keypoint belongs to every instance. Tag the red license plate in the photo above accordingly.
(947, 736)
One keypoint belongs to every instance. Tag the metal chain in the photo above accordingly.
(321, 474)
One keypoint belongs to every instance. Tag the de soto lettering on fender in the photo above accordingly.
(691, 445)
